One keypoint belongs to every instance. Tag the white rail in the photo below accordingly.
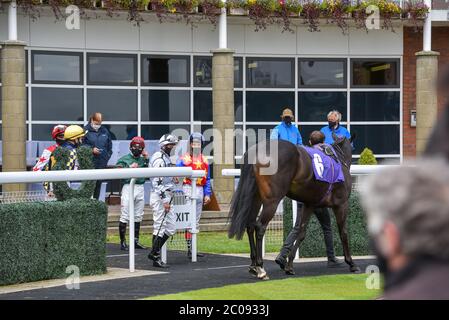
(356, 169)
(109, 174)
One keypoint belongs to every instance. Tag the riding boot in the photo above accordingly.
(137, 245)
(155, 252)
(189, 247)
(122, 233)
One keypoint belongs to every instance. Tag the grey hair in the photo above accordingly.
(337, 113)
(416, 200)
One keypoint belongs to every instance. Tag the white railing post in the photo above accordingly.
(295, 216)
(131, 226)
(194, 213)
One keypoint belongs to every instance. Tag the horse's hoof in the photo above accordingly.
(355, 269)
(261, 273)
(252, 270)
(265, 278)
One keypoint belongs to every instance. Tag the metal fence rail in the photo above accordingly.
(24, 196)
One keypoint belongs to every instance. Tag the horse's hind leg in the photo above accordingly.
(267, 214)
(250, 230)
(341, 214)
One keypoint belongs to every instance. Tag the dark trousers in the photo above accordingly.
(323, 216)
(97, 189)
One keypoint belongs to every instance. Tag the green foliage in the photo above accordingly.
(39, 240)
(313, 245)
(367, 157)
(85, 159)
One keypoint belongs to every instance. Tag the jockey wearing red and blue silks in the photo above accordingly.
(197, 163)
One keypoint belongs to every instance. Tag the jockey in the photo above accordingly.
(57, 135)
(42, 164)
(195, 159)
(160, 200)
(137, 158)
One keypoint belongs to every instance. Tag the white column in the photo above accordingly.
(427, 29)
(131, 225)
(222, 28)
(12, 21)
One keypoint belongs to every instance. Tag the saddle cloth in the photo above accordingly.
(325, 168)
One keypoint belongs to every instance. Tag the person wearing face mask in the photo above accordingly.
(195, 159)
(137, 158)
(334, 127)
(160, 200)
(407, 209)
(99, 139)
(287, 130)
(73, 137)
(45, 163)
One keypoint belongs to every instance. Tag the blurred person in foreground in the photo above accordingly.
(408, 219)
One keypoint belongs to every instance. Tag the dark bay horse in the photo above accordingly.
(295, 179)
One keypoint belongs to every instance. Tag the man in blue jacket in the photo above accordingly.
(287, 130)
(99, 139)
(333, 119)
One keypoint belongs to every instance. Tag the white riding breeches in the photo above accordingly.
(138, 203)
(162, 222)
(199, 201)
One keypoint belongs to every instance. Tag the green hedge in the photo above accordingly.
(313, 244)
(39, 240)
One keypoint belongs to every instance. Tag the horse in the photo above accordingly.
(294, 178)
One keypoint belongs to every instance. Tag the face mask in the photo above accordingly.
(60, 141)
(332, 124)
(287, 121)
(136, 152)
(96, 127)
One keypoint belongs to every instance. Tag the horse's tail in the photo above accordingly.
(242, 202)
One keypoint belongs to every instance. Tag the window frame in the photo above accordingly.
(398, 73)
(56, 53)
(248, 77)
(345, 75)
(106, 83)
(160, 84)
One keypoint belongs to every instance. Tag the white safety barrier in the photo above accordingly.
(356, 170)
(112, 174)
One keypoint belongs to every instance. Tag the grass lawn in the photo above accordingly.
(335, 287)
(210, 242)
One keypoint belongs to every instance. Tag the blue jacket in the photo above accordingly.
(287, 132)
(340, 132)
(100, 139)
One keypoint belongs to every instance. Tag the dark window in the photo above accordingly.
(314, 106)
(154, 132)
(121, 131)
(375, 106)
(203, 71)
(270, 73)
(111, 69)
(267, 106)
(381, 139)
(256, 133)
(114, 104)
(306, 130)
(203, 109)
(166, 70)
(42, 132)
(56, 67)
(375, 73)
(319, 73)
(165, 105)
(57, 104)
